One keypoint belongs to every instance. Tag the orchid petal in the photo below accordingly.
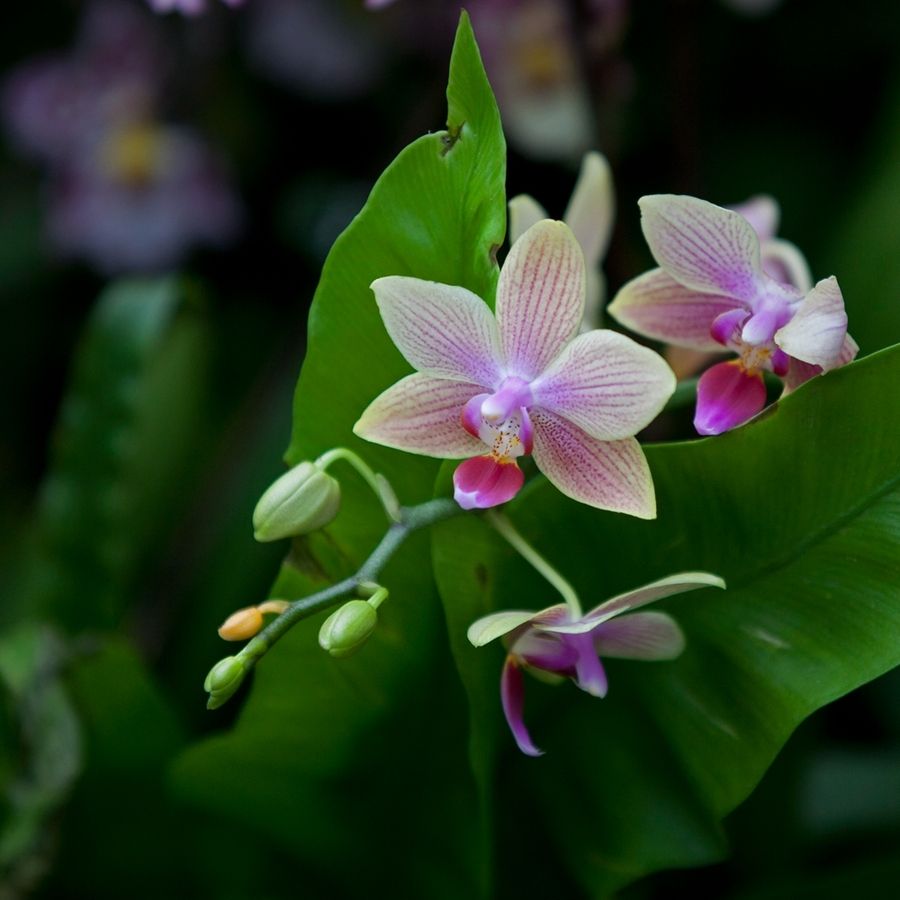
(512, 697)
(524, 211)
(590, 675)
(784, 262)
(421, 414)
(592, 208)
(540, 297)
(605, 474)
(763, 214)
(649, 593)
(489, 628)
(606, 384)
(816, 332)
(647, 636)
(656, 305)
(483, 482)
(727, 396)
(441, 330)
(704, 247)
(544, 652)
(727, 327)
(800, 372)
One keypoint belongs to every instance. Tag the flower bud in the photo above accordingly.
(302, 500)
(242, 624)
(348, 628)
(223, 680)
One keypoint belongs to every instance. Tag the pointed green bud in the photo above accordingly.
(348, 628)
(303, 500)
(223, 680)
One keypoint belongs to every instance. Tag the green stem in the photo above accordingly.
(378, 483)
(505, 529)
(411, 518)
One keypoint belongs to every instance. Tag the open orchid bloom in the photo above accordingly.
(590, 216)
(555, 642)
(188, 7)
(712, 291)
(492, 389)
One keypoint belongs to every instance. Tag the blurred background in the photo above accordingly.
(170, 188)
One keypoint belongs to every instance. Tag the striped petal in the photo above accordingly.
(647, 636)
(784, 262)
(657, 306)
(540, 297)
(442, 330)
(763, 214)
(801, 372)
(489, 628)
(605, 474)
(524, 211)
(512, 696)
(606, 384)
(704, 247)
(421, 414)
(817, 330)
(649, 593)
(592, 208)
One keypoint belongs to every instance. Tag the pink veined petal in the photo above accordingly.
(590, 675)
(727, 396)
(763, 214)
(800, 372)
(817, 330)
(512, 695)
(592, 208)
(421, 414)
(608, 385)
(704, 247)
(540, 297)
(647, 636)
(482, 482)
(649, 593)
(441, 330)
(524, 211)
(657, 306)
(784, 262)
(544, 651)
(605, 474)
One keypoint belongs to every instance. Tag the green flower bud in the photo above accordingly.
(303, 500)
(223, 680)
(348, 628)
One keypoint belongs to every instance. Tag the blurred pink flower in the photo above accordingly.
(188, 7)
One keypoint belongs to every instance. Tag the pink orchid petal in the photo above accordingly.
(544, 651)
(482, 482)
(524, 211)
(784, 262)
(704, 247)
(800, 372)
(421, 414)
(727, 396)
(647, 636)
(657, 306)
(590, 675)
(441, 330)
(512, 696)
(592, 208)
(763, 214)
(540, 297)
(608, 385)
(649, 593)
(817, 330)
(727, 327)
(605, 474)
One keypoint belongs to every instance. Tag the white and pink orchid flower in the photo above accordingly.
(558, 643)
(712, 291)
(590, 215)
(187, 7)
(490, 389)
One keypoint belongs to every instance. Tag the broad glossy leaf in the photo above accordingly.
(800, 512)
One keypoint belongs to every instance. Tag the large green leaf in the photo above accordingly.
(337, 754)
(800, 512)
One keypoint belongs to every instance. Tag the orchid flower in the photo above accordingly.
(712, 291)
(492, 389)
(590, 216)
(188, 7)
(560, 643)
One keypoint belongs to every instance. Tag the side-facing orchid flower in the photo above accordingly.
(522, 383)
(590, 216)
(711, 291)
(558, 642)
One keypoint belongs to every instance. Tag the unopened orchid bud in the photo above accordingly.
(303, 500)
(241, 625)
(348, 628)
(223, 680)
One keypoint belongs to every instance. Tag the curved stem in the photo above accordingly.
(505, 529)
(379, 484)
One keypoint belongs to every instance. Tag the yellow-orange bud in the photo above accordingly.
(242, 624)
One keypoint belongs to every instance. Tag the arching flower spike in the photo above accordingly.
(711, 291)
(520, 383)
(555, 642)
